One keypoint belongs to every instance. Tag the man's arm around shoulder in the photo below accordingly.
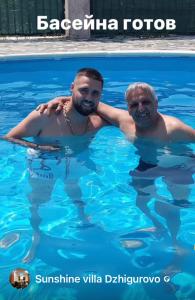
(111, 114)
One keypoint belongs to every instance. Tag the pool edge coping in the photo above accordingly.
(148, 53)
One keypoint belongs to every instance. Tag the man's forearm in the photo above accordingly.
(20, 142)
(28, 144)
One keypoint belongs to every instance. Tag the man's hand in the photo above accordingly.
(56, 103)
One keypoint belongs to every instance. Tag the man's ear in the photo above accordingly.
(72, 86)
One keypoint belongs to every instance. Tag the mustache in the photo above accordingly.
(85, 107)
(138, 113)
(88, 103)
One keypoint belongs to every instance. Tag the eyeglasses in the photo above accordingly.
(144, 102)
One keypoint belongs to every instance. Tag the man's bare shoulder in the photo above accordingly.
(178, 130)
(36, 115)
(97, 121)
(172, 123)
(42, 118)
(32, 125)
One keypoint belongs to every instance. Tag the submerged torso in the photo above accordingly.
(163, 154)
(71, 145)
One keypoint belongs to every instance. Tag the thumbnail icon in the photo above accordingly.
(19, 278)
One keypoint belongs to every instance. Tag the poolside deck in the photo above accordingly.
(59, 45)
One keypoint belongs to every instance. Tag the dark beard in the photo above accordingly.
(85, 111)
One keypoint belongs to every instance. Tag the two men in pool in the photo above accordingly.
(152, 133)
(156, 137)
(142, 120)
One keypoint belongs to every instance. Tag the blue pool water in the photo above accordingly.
(122, 240)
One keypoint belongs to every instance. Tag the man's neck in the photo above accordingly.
(150, 127)
(73, 114)
(77, 124)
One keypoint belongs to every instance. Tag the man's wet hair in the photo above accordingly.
(91, 73)
(143, 86)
